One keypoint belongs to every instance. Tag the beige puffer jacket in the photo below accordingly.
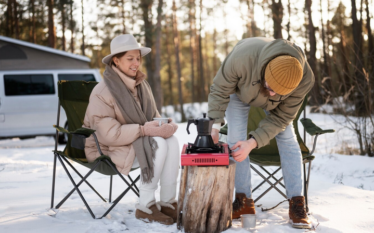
(114, 134)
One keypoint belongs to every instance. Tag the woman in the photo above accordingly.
(121, 110)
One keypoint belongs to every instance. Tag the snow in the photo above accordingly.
(341, 197)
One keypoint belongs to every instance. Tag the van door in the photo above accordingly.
(29, 104)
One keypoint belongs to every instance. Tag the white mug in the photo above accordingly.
(161, 120)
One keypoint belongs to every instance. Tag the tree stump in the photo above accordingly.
(205, 198)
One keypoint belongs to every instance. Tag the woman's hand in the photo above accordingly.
(153, 129)
(245, 148)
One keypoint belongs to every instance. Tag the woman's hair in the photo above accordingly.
(119, 55)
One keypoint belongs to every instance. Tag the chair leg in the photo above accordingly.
(89, 185)
(270, 175)
(133, 182)
(53, 181)
(306, 185)
(110, 189)
(119, 198)
(75, 185)
(120, 175)
(271, 185)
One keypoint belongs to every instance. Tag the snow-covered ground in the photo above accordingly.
(341, 197)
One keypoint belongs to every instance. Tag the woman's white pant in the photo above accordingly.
(166, 166)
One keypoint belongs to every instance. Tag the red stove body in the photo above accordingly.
(203, 157)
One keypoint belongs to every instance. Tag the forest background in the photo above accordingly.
(191, 38)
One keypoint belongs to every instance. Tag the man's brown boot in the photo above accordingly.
(242, 205)
(169, 209)
(152, 214)
(297, 213)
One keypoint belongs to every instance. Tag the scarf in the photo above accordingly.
(144, 147)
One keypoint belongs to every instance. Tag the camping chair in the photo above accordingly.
(269, 155)
(74, 97)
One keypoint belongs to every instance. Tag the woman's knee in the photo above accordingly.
(161, 144)
(172, 140)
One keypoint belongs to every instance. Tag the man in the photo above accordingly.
(274, 75)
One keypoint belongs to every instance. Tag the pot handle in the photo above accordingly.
(188, 124)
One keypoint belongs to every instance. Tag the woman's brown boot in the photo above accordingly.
(169, 209)
(151, 213)
(242, 205)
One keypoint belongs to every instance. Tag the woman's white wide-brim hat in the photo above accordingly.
(123, 43)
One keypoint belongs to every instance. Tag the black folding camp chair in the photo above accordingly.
(269, 154)
(74, 97)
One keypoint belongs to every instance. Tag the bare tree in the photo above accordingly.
(201, 62)
(51, 25)
(9, 18)
(16, 23)
(72, 27)
(277, 10)
(61, 7)
(289, 20)
(154, 80)
(177, 61)
(370, 59)
(192, 33)
(360, 83)
(32, 34)
(169, 54)
(325, 72)
(123, 16)
(83, 46)
(157, 77)
(316, 99)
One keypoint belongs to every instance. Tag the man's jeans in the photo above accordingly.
(289, 150)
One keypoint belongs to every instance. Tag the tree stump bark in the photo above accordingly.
(205, 198)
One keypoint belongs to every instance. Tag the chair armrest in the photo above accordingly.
(313, 129)
(81, 131)
(223, 130)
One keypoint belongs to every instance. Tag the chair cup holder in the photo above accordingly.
(78, 141)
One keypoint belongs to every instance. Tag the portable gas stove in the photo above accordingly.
(204, 152)
(214, 156)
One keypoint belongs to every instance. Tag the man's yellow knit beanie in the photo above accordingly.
(283, 74)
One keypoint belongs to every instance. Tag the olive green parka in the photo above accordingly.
(241, 73)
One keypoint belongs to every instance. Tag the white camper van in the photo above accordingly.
(29, 100)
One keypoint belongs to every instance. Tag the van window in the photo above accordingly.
(29, 84)
(76, 77)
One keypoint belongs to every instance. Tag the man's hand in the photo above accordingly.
(215, 135)
(245, 148)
